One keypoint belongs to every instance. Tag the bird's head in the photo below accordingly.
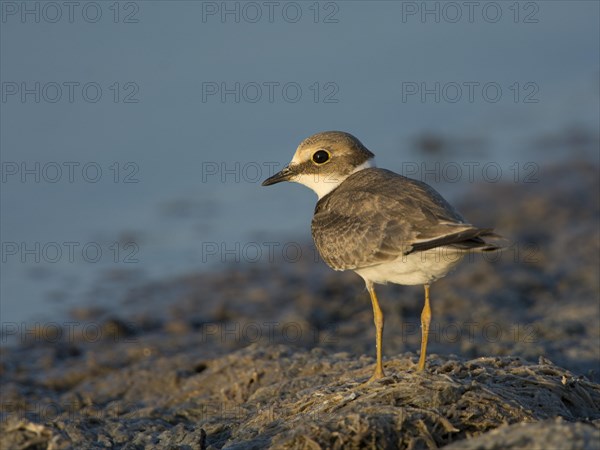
(324, 160)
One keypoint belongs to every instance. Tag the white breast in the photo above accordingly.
(416, 268)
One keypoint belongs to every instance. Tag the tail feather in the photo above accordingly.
(471, 239)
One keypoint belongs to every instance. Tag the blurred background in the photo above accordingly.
(135, 135)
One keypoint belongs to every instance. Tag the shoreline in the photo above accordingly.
(240, 358)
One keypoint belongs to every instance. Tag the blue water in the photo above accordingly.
(142, 147)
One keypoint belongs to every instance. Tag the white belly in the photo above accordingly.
(416, 268)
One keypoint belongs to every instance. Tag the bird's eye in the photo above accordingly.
(321, 156)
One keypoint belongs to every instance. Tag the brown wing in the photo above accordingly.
(376, 215)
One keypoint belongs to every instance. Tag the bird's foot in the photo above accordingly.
(378, 375)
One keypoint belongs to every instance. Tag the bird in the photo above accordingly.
(385, 227)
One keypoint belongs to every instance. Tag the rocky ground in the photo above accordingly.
(276, 356)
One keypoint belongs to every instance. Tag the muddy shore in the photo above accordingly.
(275, 355)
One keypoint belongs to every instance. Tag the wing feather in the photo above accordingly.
(377, 215)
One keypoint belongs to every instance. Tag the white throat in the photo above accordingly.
(323, 185)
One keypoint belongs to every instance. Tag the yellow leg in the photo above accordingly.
(378, 318)
(425, 320)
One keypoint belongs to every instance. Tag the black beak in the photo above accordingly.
(284, 175)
